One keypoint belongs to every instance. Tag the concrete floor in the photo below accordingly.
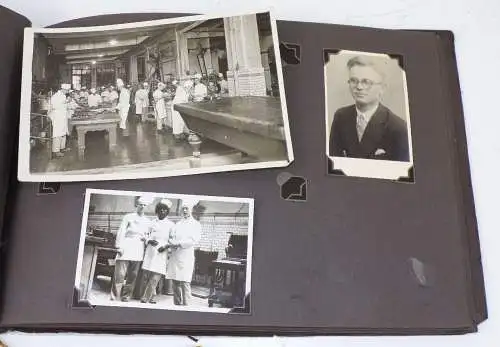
(99, 296)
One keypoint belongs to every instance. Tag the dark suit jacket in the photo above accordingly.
(384, 131)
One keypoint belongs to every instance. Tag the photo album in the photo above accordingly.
(234, 174)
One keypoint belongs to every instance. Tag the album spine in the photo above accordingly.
(474, 268)
(12, 27)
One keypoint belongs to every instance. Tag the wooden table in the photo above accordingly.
(106, 121)
(89, 260)
(250, 124)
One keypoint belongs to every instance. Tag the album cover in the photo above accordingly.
(371, 229)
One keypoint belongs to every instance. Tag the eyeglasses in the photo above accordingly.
(363, 83)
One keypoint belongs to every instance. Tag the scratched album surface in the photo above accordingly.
(369, 229)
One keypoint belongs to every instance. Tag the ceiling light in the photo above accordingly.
(93, 62)
(101, 55)
(113, 42)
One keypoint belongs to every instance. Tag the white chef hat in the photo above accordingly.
(145, 84)
(145, 199)
(175, 82)
(166, 202)
(220, 74)
(65, 86)
(93, 90)
(190, 203)
(161, 84)
(119, 82)
(197, 76)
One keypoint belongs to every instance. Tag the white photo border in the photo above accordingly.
(248, 276)
(106, 174)
(368, 168)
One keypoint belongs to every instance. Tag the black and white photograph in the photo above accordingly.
(368, 131)
(188, 95)
(165, 251)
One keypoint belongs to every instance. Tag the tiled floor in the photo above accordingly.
(143, 145)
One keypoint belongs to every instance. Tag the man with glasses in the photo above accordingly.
(368, 129)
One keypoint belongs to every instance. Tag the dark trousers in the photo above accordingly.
(151, 282)
(125, 277)
(182, 292)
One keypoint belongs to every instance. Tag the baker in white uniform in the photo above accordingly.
(105, 94)
(123, 103)
(58, 114)
(155, 257)
(200, 89)
(112, 96)
(141, 100)
(130, 242)
(182, 94)
(185, 235)
(160, 107)
(72, 105)
(94, 98)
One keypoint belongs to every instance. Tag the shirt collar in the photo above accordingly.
(368, 114)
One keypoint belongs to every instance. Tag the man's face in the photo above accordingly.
(366, 84)
(162, 213)
(186, 212)
(140, 207)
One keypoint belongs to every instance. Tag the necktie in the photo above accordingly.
(360, 125)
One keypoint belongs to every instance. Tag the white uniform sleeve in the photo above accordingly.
(124, 98)
(193, 238)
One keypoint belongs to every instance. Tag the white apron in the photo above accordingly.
(94, 100)
(123, 107)
(105, 96)
(113, 96)
(153, 260)
(141, 101)
(58, 114)
(180, 266)
(178, 125)
(200, 92)
(161, 110)
(128, 238)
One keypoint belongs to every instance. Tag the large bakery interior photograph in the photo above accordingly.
(169, 96)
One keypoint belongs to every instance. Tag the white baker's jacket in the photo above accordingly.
(128, 238)
(94, 100)
(141, 100)
(58, 114)
(187, 233)
(105, 95)
(124, 103)
(181, 96)
(200, 92)
(153, 260)
(161, 110)
(113, 95)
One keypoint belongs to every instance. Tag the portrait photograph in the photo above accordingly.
(368, 132)
(179, 96)
(165, 251)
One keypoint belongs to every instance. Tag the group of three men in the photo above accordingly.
(160, 247)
